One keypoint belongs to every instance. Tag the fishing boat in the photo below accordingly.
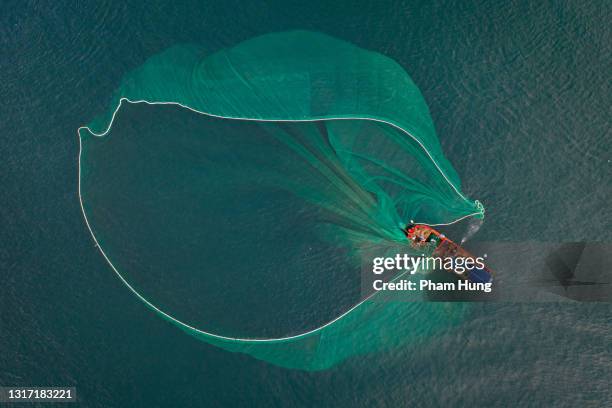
(432, 243)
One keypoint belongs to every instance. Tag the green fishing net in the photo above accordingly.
(239, 194)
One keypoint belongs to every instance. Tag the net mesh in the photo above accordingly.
(298, 151)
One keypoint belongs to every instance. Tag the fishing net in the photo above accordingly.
(238, 194)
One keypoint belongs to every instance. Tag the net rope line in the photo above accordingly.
(218, 336)
(323, 118)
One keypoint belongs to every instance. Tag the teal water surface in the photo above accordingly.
(520, 95)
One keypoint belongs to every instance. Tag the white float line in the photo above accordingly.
(271, 120)
(179, 322)
(449, 223)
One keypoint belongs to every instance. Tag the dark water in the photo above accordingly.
(520, 95)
